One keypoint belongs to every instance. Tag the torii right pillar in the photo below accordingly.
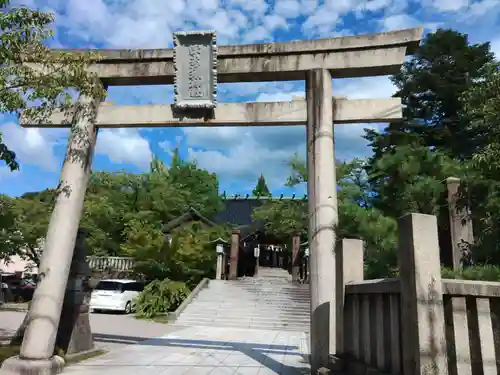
(323, 215)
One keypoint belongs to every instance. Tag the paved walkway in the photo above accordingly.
(111, 331)
(205, 350)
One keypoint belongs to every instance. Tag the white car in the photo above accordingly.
(115, 295)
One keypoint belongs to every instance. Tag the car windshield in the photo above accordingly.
(109, 285)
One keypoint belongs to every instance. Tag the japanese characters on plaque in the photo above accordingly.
(195, 59)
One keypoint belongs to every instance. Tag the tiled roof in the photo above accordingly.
(238, 210)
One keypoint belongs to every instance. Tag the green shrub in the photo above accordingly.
(483, 272)
(160, 297)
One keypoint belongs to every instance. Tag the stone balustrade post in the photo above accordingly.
(422, 312)
(349, 264)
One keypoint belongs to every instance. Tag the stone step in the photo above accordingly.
(260, 296)
(255, 301)
(274, 293)
(246, 307)
(251, 289)
(244, 324)
(258, 289)
(246, 320)
(244, 314)
(269, 303)
(242, 292)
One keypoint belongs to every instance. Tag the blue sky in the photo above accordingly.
(237, 155)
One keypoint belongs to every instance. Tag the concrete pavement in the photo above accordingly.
(111, 331)
(206, 350)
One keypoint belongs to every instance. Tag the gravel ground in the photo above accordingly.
(111, 331)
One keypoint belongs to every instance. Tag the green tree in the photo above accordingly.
(410, 179)
(125, 213)
(188, 258)
(261, 189)
(481, 107)
(357, 217)
(412, 158)
(27, 228)
(199, 187)
(34, 80)
(430, 86)
(8, 234)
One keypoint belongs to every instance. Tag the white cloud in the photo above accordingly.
(34, 146)
(287, 8)
(447, 5)
(242, 153)
(238, 152)
(124, 146)
(483, 7)
(495, 47)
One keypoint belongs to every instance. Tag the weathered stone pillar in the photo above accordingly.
(350, 267)
(37, 350)
(295, 258)
(74, 334)
(422, 312)
(461, 232)
(235, 247)
(323, 215)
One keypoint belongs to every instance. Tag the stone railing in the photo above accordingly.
(368, 325)
(417, 323)
(111, 263)
(472, 323)
(372, 325)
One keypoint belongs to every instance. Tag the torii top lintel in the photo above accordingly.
(351, 56)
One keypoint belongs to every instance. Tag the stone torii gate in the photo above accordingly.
(195, 65)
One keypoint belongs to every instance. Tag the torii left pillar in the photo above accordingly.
(37, 350)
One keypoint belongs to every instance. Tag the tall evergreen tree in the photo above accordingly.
(261, 189)
(425, 147)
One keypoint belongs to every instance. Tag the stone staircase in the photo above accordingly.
(269, 302)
